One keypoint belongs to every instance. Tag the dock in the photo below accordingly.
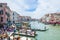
(26, 35)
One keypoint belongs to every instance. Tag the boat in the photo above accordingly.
(28, 33)
(40, 29)
(45, 29)
(25, 35)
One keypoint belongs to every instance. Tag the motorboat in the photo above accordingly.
(44, 29)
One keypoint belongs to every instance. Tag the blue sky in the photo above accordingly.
(33, 8)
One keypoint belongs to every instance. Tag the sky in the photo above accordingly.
(33, 8)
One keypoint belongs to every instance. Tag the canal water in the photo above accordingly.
(53, 32)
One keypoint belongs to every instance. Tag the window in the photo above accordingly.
(1, 12)
(8, 14)
(0, 5)
(13, 17)
(7, 19)
(13, 13)
(13, 21)
(1, 19)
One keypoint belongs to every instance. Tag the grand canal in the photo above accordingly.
(52, 34)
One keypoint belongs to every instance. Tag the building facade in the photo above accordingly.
(5, 13)
(25, 18)
(51, 18)
(3, 16)
(15, 17)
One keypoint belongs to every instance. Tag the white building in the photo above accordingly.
(15, 17)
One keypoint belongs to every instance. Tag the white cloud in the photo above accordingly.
(43, 7)
(46, 7)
